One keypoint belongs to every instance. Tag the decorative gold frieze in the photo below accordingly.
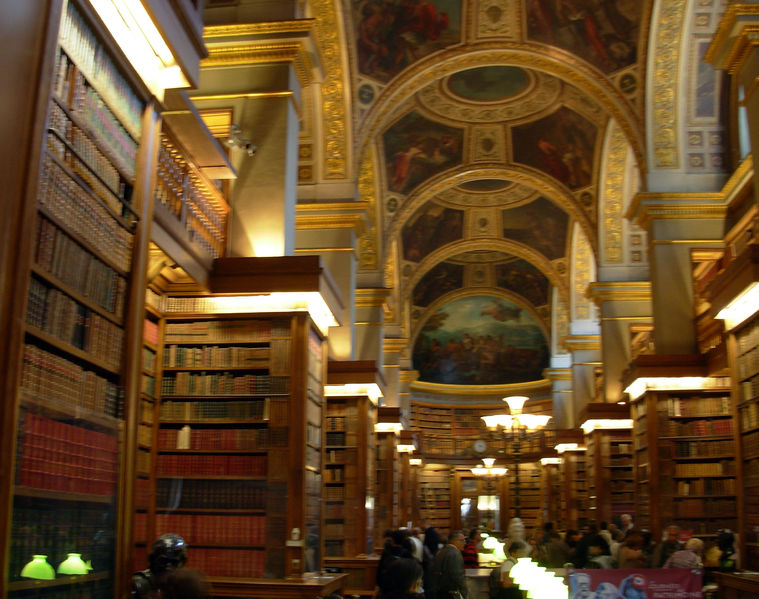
(612, 202)
(666, 53)
(582, 342)
(619, 291)
(583, 257)
(374, 297)
(646, 207)
(368, 194)
(733, 41)
(258, 29)
(334, 103)
(256, 54)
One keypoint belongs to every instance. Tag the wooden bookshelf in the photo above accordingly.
(573, 471)
(386, 503)
(71, 414)
(434, 489)
(348, 431)
(684, 456)
(529, 485)
(241, 428)
(610, 474)
(552, 496)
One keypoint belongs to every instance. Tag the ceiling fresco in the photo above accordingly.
(485, 125)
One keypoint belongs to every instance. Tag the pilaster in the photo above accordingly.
(561, 391)
(586, 357)
(621, 305)
(677, 223)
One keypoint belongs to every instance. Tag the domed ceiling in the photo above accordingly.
(483, 123)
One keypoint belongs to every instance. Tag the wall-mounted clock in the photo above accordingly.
(480, 446)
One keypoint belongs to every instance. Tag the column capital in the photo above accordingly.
(373, 297)
(619, 291)
(647, 207)
(582, 342)
(736, 37)
(558, 374)
(333, 215)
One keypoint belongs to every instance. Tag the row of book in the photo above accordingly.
(230, 465)
(699, 406)
(340, 455)
(147, 386)
(82, 156)
(723, 467)
(748, 363)
(751, 473)
(224, 439)
(220, 383)
(748, 337)
(202, 529)
(150, 331)
(210, 494)
(65, 259)
(209, 331)
(50, 376)
(200, 410)
(214, 356)
(694, 449)
(341, 439)
(57, 532)
(750, 388)
(750, 443)
(706, 486)
(100, 122)
(57, 314)
(673, 428)
(146, 411)
(341, 423)
(144, 435)
(696, 508)
(235, 563)
(67, 201)
(93, 59)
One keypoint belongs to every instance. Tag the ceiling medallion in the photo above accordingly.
(486, 192)
(490, 94)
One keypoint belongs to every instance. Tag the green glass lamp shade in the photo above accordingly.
(38, 568)
(73, 564)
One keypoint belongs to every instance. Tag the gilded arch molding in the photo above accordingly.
(538, 57)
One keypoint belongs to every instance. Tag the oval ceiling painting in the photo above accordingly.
(480, 340)
(485, 185)
(488, 84)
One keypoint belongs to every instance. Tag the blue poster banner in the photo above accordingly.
(666, 583)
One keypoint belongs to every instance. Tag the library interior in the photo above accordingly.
(281, 276)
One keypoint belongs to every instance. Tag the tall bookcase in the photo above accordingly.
(434, 488)
(239, 457)
(386, 504)
(529, 495)
(684, 456)
(552, 495)
(744, 346)
(610, 474)
(70, 432)
(347, 481)
(574, 476)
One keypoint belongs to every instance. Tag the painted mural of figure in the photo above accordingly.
(539, 15)
(552, 161)
(402, 165)
(371, 40)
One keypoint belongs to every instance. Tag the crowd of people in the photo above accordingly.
(418, 563)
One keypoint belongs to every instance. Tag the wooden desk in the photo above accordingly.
(737, 586)
(265, 588)
(361, 573)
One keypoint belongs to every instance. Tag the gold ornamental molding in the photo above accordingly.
(371, 297)
(619, 291)
(257, 54)
(558, 374)
(394, 344)
(613, 196)
(259, 29)
(582, 342)
(553, 61)
(342, 215)
(335, 114)
(666, 52)
(251, 96)
(409, 376)
(367, 191)
(646, 207)
(735, 38)
(482, 390)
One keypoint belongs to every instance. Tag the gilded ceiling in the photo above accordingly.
(483, 124)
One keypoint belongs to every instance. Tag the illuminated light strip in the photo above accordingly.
(743, 306)
(672, 383)
(142, 44)
(594, 424)
(371, 390)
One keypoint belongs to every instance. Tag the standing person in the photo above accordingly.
(670, 543)
(502, 586)
(416, 544)
(631, 554)
(627, 523)
(405, 580)
(556, 552)
(398, 547)
(690, 557)
(470, 550)
(431, 537)
(448, 577)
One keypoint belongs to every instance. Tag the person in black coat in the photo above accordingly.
(431, 537)
(404, 580)
(398, 547)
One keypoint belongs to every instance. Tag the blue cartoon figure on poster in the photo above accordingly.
(633, 587)
(606, 590)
